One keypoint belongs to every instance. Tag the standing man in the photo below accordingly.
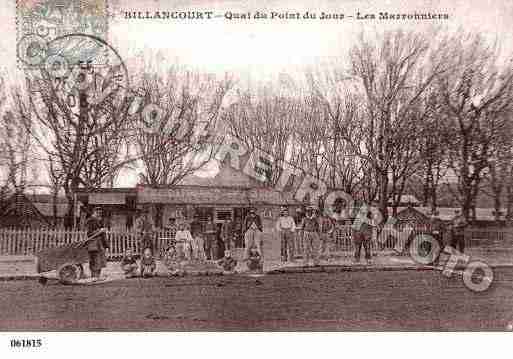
(326, 229)
(341, 220)
(436, 230)
(298, 220)
(197, 236)
(458, 233)
(96, 246)
(311, 228)
(286, 227)
(252, 231)
(227, 234)
(210, 239)
(145, 227)
(362, 235)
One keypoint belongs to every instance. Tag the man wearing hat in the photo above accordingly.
(437, 231)
(198, 246)
(458, 232)
(286, 227)
(210, 239)
(326, 230)
(311, 228)
(145, 227)
(97, 244)
(298, 220)
(362, 235)
(252, 231)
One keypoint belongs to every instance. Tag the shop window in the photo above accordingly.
(204, 213)
(224, 214)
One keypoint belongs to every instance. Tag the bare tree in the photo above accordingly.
(475, 98)
(263, 119)
(500, 171)
(175, 126)
(172, 136)
(339, 112)
(79, 136)
(395, 71)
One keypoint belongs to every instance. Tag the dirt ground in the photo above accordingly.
(388, 300)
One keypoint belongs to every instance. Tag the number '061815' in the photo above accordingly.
(26, 343)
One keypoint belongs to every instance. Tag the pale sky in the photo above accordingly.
(262, 49)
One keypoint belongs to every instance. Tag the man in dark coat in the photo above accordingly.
(210, 235)
(458, 233)
(145, 227)
(437, 231)
(97, 245)
(362, 236)
(252, 232)
(298, 234)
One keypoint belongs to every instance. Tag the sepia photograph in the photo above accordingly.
(255, 166)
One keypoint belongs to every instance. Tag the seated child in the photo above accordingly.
(148, 264)
(254, 260)
(228, 263)
(183, 237)
(129, 264)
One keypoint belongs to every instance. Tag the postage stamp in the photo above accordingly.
(38, 22)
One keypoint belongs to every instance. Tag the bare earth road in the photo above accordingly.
(393, 300)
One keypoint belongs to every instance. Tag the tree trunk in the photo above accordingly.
(54, 208)
(383, 196)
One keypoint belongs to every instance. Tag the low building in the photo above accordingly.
(228, 195)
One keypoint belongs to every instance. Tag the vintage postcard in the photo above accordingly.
(189, 165)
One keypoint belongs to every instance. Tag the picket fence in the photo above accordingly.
(30, 241)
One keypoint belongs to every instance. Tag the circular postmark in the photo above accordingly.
(83, 71)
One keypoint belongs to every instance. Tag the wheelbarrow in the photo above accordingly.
(66, 260)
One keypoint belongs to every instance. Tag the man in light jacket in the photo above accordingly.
(286, 227)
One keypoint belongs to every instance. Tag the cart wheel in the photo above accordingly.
(68, 273)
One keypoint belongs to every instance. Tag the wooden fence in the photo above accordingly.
(27, 242)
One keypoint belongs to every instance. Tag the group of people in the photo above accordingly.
(312, 233)
(197, 241)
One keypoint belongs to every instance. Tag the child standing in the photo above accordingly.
(148, 264)
(129, 264)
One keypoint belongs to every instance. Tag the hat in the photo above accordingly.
(99, 209)
(299, 209)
